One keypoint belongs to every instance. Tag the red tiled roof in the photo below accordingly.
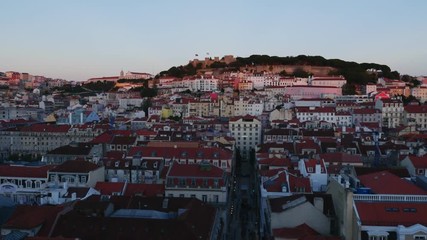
(25, 171)
(286, 162)
(365, 111)
(148, 190)
(275, 184)
(296, 183)
(182, 153)
(28, 217)
(123, 140)
(315, 110)
(75, 166)
(116, 163)
(46, 128)
(145, 132)
(308, 144)
(108, 188)
(297, 232)
(121, 132)
(195, 170)
(419, 162)
(311, 163)
(392, 213)
(115, 155)
(340, 157)
(270, 172)
(385, 182)
(416, 109)
(105, 137)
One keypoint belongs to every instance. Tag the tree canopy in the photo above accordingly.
(355, 73)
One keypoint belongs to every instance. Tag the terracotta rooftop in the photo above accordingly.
(340, 157)
(297, 232)
(419, 162)
(195, 222)
(392, 213)
(385, 182)
(28, 217)
(195, 170)
(25, 171)
(75, 166)
(148, 190)
(108, 188)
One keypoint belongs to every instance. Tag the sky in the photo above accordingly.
(80, 39)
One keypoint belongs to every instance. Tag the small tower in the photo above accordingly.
(122, 74)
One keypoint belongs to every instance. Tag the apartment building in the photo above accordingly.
(247, 132)
(391, 111)
(326, 114)
(415, 115)
(332, 81)
(203, 181)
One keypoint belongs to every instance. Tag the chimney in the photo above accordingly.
(165, 203)
(318, 167)
(318, 203)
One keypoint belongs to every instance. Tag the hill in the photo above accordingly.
(301, 65)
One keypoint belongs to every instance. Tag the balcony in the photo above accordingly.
(389, 198)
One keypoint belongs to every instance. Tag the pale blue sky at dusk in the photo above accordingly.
(79, 39)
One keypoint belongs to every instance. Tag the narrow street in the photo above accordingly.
(243, 210)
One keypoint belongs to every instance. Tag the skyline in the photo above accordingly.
(78, 40)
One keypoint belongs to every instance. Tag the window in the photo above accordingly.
(223, 164)
(83, 179)
(420, 171)
(181, 182)
(38, 184)
(216, 183)
(204, 198)
(216, 198)
(28, 184)
(420, 237)
(377, 237)
(193, 182)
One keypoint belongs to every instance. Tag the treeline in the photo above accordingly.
(181, 71)
(99, 86)
(354, 72)
(132, 80)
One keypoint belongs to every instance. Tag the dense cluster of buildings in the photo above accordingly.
(328, 165)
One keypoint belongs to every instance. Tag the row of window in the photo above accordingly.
(183, 182)
(23, 183)
(204, 197)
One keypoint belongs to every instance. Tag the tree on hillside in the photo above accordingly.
(299, 72)
(409, 99)
(146, 105)
(348, 89)
(99, 86)
(283, 73)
